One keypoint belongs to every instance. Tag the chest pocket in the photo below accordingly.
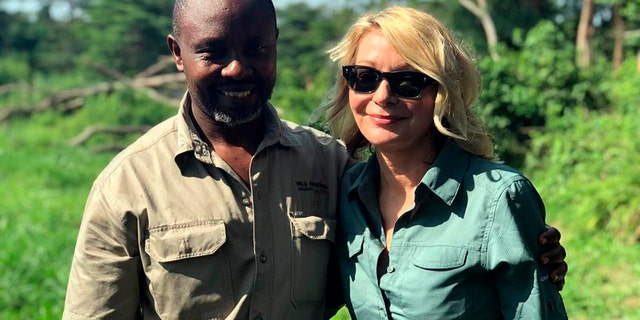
(191, 259)
(439, 257)
(313, 238)
(178, 242)
(432, 286)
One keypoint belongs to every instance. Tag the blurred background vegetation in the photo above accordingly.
(80, 79)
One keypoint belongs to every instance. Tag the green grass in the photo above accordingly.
(604, 277)
(42, 186)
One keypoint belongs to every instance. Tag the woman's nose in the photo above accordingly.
(383, 94)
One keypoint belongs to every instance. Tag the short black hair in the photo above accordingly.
(180, 11)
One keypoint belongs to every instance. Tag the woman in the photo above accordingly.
(431, 227)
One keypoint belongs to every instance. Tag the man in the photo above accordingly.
(223, 211)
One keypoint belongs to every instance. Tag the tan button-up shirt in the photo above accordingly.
(171, 232)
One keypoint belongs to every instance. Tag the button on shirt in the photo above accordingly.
(171, 232)
(467, 250)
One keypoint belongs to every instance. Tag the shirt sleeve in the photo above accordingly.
(103, 282)
(524, 288)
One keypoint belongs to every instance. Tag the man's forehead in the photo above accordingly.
(226, 13)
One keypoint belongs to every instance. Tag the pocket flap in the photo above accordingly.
(439, 257)
(315, 228)
(187, 240)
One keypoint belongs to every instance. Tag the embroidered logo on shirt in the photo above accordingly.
(318, 187)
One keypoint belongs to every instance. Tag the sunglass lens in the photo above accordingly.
(408, 85)
(366, 80)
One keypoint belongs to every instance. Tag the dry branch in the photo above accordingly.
(89, 132)
(108, 71)
(59, 100)
(163, 62)
(480, 9)
(12, 87)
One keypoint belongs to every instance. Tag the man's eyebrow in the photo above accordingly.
(209, 43)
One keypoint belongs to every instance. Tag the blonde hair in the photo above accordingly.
(429, 47)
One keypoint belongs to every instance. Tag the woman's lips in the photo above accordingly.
(384, 119)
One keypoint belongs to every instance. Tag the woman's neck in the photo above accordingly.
(404, 169)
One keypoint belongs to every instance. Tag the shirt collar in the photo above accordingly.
(444, 178)
(189, 140)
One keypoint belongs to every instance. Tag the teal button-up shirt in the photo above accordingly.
(467, 250)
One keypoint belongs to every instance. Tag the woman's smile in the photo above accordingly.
(381, 119)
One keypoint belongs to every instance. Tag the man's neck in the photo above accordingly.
(246, 136)
(236, 145)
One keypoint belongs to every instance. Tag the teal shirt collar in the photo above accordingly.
(444, 178)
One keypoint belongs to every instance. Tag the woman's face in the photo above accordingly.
(388, 122)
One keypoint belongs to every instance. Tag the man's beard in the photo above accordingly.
(235, 117)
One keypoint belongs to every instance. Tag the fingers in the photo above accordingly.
(559, 274)
(550, 236)
(554, 254)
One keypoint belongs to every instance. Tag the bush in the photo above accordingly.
(589, 172)
(13, 69)
(530, 87)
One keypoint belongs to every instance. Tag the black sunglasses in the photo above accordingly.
(404, 84)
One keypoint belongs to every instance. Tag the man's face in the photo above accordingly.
(227, 50)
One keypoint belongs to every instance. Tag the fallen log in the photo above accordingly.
(60, 99)
(89, 132)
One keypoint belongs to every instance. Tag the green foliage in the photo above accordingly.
(13, 68)
(529, 88)
(624, 87)
(596, 154)
(296, 103)
(125, 35)
(304, 70)
(592, 167)
(589, 178)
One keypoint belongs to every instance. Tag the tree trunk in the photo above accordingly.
(619, 26)
(584, 35)
(479, 9)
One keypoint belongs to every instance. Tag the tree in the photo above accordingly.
(626, 13)
(304, 70)
(126, 35)
(480, 10)
(585, 34)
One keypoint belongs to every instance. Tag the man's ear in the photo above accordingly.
(174, 47)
